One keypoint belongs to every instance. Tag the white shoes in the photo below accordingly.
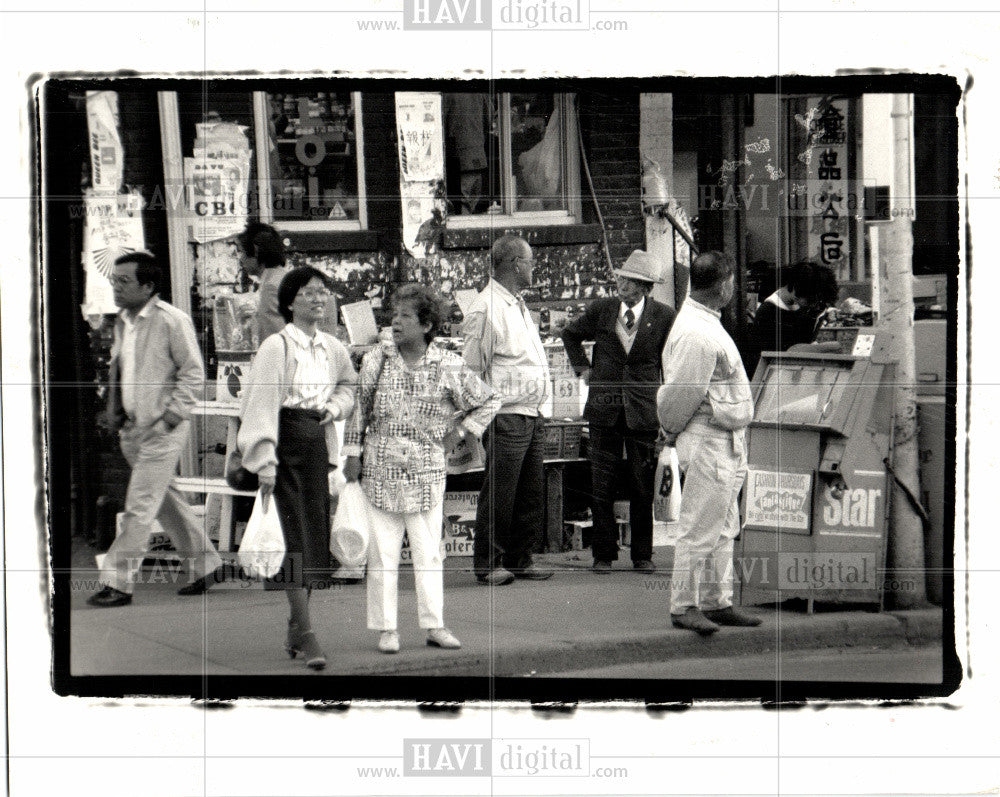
(388, 642)
(442, 638)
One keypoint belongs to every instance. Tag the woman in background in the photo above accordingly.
(301, 382)
(790, 315)
(263, 257)
(416, 402)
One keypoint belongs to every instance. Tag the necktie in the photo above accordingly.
(629, 319)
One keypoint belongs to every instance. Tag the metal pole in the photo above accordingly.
(906, 537)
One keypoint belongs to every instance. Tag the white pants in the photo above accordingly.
(715, 463)
(151, 496)
(424, 532)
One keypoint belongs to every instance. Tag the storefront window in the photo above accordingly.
(312, 159)
(509, 154)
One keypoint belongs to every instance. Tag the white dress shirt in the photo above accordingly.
(310, 388)
(126, 358)
(626, 335)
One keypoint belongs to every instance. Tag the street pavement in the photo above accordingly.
(914, 665)
(577, 622)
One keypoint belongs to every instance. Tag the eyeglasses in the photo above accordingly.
(121, 281)
(317, 294)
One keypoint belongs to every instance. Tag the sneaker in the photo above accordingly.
(388, 642)
(109, 597)
(442, 638)
(729, 616)
(496, 578)
(694, 620)
(533, 573)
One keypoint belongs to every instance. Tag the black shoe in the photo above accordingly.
(694, 620)
(601, 567)
(729, 616)
(533, 573)
(201, 585)
(644, 566)
(311, 651)
(110, 597)
(496, 578)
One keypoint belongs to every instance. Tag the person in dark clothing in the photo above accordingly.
(789, 315)
(629, 332)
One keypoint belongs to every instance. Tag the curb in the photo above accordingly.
(841, 630)
(921, 626)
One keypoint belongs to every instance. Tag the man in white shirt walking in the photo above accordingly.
(503, 347)
(156, 376)
(704, 407)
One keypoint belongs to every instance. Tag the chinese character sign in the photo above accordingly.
(421, 165)
(421, 147)
(831, 205)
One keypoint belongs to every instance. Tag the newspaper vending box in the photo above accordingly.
(816, 500)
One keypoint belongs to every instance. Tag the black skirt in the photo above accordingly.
(302, 496)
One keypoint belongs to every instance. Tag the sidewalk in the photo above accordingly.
(573, 621)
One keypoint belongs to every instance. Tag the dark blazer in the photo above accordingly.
(618, 380)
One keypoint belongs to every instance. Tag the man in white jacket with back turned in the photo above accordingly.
(704, 407)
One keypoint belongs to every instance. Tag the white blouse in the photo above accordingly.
(310, 388)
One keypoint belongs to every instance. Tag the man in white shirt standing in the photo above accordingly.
(502, 346)
(156, 376)
(704, 406)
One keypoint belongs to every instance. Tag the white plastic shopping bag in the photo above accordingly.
(351, 527)
(667, 493)
(263, 546)
(336, 482)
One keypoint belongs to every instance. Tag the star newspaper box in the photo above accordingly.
(816, 500)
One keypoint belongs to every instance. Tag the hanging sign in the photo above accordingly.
(421, 167)
(421, 147)
(113, 228)
(106, 154)
(217, 181)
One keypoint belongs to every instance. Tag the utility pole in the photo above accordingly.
(906, 535)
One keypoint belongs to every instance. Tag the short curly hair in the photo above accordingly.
(294, 281)
(428, 303)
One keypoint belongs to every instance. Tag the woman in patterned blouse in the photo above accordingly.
(415, 403)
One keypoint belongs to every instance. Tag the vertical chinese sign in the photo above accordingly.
(421, 164)
(822, 202)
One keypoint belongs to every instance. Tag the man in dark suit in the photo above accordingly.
(629, 333)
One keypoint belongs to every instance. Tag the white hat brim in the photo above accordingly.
(624, 272)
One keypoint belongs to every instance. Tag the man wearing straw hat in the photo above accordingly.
(629, 332)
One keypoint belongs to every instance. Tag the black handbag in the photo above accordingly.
(238, 477)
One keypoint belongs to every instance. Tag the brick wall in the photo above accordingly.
(609, 123)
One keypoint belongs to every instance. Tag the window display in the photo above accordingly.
(312, 153)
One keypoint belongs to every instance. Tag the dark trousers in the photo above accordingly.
(511, 504)
(605, 456)
(302, 496)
